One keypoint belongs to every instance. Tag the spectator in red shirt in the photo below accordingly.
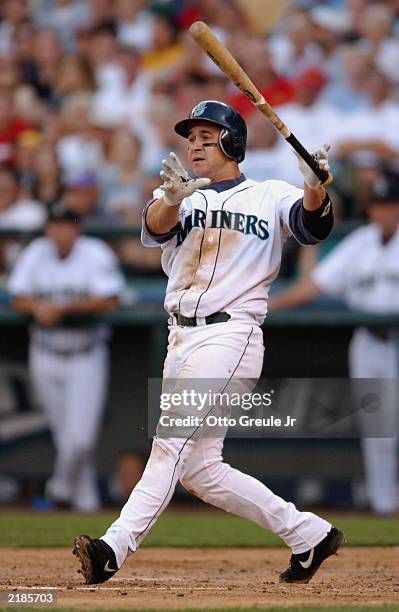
(10, 128)
(254, 56)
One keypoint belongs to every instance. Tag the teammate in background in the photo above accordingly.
(363, 271)
(221, 237)
(56, 276)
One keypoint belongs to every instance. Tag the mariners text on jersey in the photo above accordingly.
(226, 249)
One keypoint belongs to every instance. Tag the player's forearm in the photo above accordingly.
(313, 198)
(160, 218)
(302, 292)
(90, 306)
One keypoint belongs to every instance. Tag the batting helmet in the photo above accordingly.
(233, 136)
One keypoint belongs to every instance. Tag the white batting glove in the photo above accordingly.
(177, 183)
(321, 156)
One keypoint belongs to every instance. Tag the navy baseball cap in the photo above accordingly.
(385, 189)
(60, 212)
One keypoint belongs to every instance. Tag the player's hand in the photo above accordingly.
(321, 156)
(47, 313)
(177, 183)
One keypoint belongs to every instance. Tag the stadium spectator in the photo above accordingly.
(135, 24)
(223, 16)
(26, 149)
(23, 43)
(293, 49)
(11, 127)
(47, 187)
(377, 40)
(256, 60)
(74, 76)
(267, 154)
(122, 186)
(80, 193)
(16, 212)
(100, 11)
(47, 53)
(350, 92)
(369, 137)
(329, 29)
(372, 133)
(103, 55)
(12, 12)
(77, 151)
(166, 50)
(9, 73)
(311, 119)
(65, 17)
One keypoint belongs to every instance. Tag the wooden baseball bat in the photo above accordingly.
(222, 57)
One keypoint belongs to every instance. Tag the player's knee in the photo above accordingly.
(198, 479)
(190, 484)
(165, 449)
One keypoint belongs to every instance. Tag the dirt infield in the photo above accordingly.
(206, 578)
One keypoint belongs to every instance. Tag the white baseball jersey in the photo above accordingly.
(90, 270)
(228, 248)
(363, 271)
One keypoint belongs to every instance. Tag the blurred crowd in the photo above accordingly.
(90, 91)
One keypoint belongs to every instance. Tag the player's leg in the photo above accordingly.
(218, 483)
(371, 357)
(155, 489)
(85, 398)
(153, 492)
(47, 372)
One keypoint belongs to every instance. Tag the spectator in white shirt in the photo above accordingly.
(293, 50)
(16, 213)
(311, 119)
(134, 24)
(376, 29)
(267, 155)
(369, 137)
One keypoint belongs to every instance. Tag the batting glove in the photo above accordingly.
(321, 156)
(177, 183)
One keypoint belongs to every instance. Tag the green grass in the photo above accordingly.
(182, 530)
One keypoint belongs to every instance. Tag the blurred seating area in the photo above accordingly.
(90, 91)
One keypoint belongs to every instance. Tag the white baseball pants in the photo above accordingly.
(371, 357)
(72, 392)
(221, 351)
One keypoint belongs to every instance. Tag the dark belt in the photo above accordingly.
(217, 317)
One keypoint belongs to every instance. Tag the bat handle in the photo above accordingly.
(325, 177)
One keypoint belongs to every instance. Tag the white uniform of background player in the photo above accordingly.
(69, 364)
(363, 270)
(221, 251)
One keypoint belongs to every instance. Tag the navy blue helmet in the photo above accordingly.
(233, 136)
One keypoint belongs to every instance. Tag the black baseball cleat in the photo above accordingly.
(97, 559)
(304, 566)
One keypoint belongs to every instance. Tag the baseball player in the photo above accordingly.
(62, 274)
(221, 236)
(363, 271)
